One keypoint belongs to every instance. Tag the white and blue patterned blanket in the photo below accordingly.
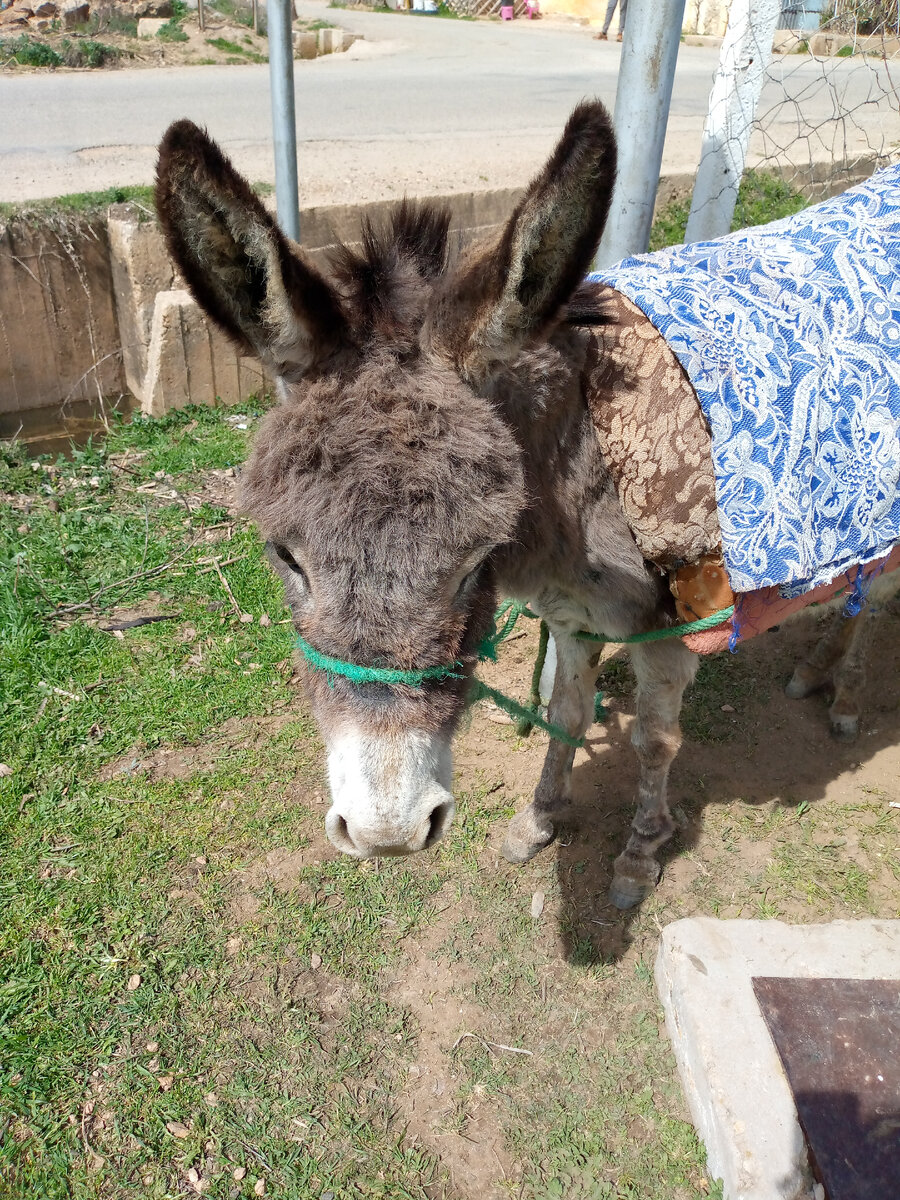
(790, 335)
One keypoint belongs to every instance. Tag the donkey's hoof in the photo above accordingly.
(634, 879)
(804, 682)
(844, 726)
(526, 837)
(626, 893)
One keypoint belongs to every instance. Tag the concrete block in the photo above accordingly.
(330, 41)
(191, 362)
(149, 27)
(735, 1086)
(306, 45)
(141, 268)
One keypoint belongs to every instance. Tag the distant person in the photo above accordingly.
(610, 9)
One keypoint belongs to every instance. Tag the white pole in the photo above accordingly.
(743, 60)
(646, 74)
(284, 128)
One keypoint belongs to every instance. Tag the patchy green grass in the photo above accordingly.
(76, 51)
(28, 51)
(762, 197)
(243, 53)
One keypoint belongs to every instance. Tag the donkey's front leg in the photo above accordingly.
(571, 707)
(663, 670)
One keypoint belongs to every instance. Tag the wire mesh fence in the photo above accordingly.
(828, 107)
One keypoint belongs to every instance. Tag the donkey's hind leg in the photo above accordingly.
(841, 654)
(663, 670)
(814, 672)
(571, 707)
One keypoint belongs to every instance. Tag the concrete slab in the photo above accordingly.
(735, 1086)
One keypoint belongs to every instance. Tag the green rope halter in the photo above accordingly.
(526, 715)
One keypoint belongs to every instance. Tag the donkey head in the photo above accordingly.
(387, 476)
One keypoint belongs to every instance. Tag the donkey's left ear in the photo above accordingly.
(238, 264)
(508, 294)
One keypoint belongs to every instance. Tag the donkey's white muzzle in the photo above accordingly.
(390, 792)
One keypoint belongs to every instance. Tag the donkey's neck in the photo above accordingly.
(574, 557)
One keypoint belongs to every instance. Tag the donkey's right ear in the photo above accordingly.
(238, 264)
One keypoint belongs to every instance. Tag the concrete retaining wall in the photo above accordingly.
(59, 337)
(94, 309)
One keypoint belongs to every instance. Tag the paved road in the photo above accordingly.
(420, 106)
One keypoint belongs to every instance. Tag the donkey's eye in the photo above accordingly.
(290, 562)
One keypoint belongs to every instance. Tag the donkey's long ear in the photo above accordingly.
(237, 262)
(508, 294)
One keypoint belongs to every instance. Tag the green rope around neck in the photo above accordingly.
(526, 715)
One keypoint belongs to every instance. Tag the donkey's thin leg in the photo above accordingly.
(850, 678)
(571, 707)
(663, 670)
(813, 672)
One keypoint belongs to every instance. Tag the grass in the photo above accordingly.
(28, 51)
(91, 203)
(762, 197)
(242, 53)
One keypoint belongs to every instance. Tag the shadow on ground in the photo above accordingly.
(769, 752)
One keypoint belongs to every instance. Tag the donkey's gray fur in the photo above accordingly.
(434, 449)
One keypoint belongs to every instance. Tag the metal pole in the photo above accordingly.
(743, 60)
(200, 15)
(646, 73)
(284, 129)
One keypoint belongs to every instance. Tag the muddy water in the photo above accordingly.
(55, 430)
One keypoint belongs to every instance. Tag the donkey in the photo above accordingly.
(435, 447)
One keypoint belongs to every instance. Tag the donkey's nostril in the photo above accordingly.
(339, 832)
(437, 823)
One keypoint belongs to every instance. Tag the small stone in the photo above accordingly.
(200, 860)
(165, 1082)
(5, 770)
(147, 1180)
(211, 1099)
(259, 1188)
(177, 1129)
(152, 1047)
(537, 905)
(728, 708)
(246, 618)
(134, 982)
(193, 1175)
(315, 961)
(22, 529)
(265, 620)
(238, 1173)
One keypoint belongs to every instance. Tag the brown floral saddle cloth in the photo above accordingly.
(657, 443)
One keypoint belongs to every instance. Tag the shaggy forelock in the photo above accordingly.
(405, 464)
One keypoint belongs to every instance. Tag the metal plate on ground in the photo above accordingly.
(839, 1041)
